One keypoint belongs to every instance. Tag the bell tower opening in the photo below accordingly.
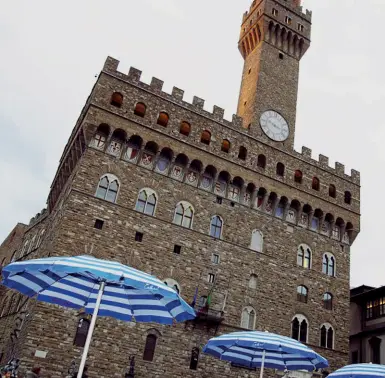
(275, 35)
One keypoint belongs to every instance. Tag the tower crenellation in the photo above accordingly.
(156, 85)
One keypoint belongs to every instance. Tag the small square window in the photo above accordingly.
(280, 56)
(139, 237)
(342, 248)
(215, 259)
(288, 20)
(275, 12)
(219, 200)
(99, 224)
(211, 278)
(232, 204)
(177, 249)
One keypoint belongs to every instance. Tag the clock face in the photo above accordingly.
(274, 126)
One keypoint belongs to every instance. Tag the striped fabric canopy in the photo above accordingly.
(360, 371)
(74, 282)
(257, 349)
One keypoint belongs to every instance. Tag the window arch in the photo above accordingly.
(348, 198)
(299, 328)
(206, 137)
(304, 256)
(280, 169)
(261, 162)
(100, 138)
(332, 191)
(108, 188)
(146, 202)
(257, 241)
(242, 153)
(185, 128)
(82, 332)
(173, 284)
(248, 318)
(298, 177)
(315, 184)
(149, 348)
(164, 161)
(140, 109)
(253, 281)
(328, 301)
(225, 145)
(302, 294)
(163, 119)
(327, 336)
(184, 214)
(329, 264)
(116, 99)
(216, 227)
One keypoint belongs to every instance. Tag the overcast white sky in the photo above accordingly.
(51, 52)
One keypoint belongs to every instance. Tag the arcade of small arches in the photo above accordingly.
(119, 137)
(179, 167)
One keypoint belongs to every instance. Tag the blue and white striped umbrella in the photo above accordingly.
(360, 371)
(102, 288)
(255, 349)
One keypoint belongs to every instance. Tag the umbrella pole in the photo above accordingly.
(91, 330)
(262, 364)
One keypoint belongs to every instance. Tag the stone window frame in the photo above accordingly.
(302, 294)
(216, 217)
(300, 318)
(262, 240)
(305, 249)
(149, 192)
(185, 205)
(327, 303)
(111, 178)
(328, 327)
(328, 256)
(246, 311)
(170, 282)
(253, 278)
(153, 334)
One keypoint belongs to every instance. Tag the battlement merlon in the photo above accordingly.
(156, 85)
(294, 6)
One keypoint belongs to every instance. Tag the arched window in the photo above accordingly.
(332, 191)
(173, 284)
(298, 177)
(163, 119)
(117, 99)
(327, 336)
(206, 137)
(216, 227)
(299, 328)
(328, 301)
(146, 202)
(194, 359)
(248, 318)
(81, 332)
(164, 161)
(242, 153)
(261, 162)
(100, 137)
(225, 146)
(302, 294)
(184, 213)
(329, 264)
(185, 128)
(257, 241)
(375, 346)
(315, 184)
(253, 281)
(304, 256)
(348, 198)
(140, 109)
(149, 349)
(108, 188)
(280, 170)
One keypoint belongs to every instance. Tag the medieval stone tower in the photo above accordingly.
(225, 209)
